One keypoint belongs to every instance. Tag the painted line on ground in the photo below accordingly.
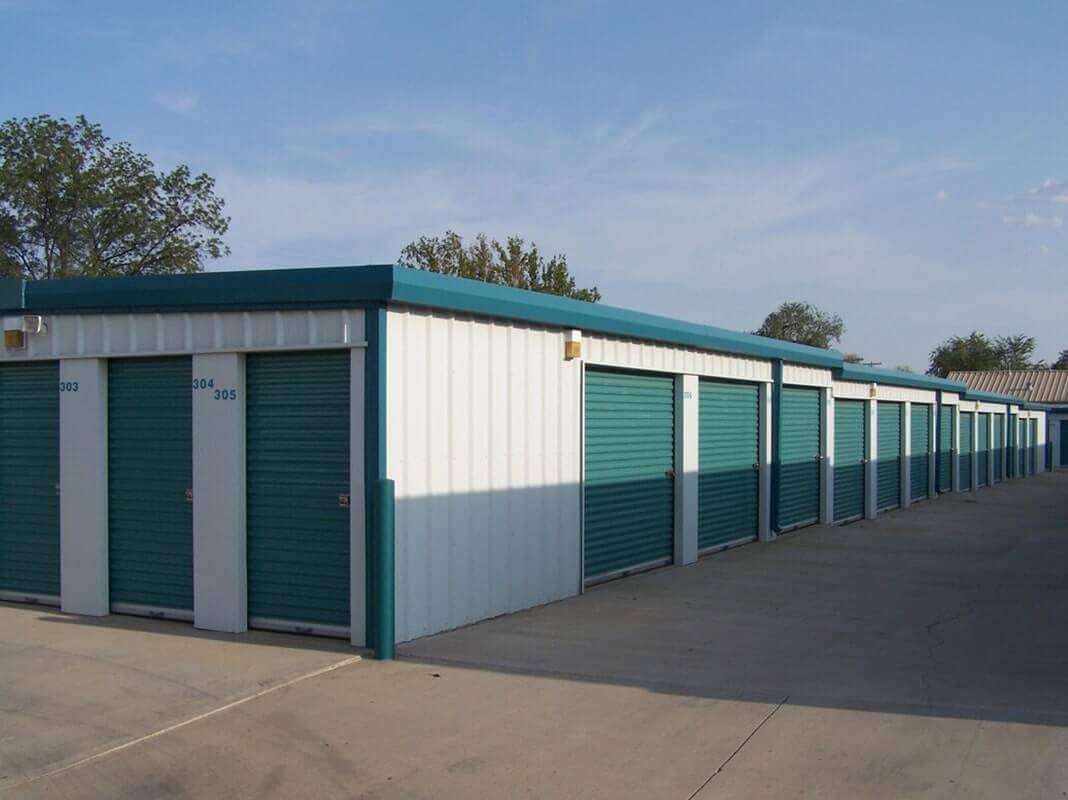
(186, 722)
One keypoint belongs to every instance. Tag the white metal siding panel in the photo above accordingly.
(896, 394)
(904, 394)
(950, 399)
(483, 442)
(846, 390)
(797, 375)
(650, 357)
(117, 335)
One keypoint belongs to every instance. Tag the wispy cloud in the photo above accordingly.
(616, 197)
(1031, 220)
(179, 102)
(1050, 189)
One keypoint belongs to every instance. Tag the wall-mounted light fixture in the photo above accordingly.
(16, 329)
(572, 345)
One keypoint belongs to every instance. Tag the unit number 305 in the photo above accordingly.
(217, 394)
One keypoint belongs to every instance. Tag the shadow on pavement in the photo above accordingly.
(955, 608)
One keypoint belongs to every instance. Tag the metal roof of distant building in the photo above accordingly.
(1032, 385)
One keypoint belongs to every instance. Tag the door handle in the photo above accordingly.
(189, 495)
(344, 501)
(669, 473)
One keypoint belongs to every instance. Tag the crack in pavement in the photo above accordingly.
(738, 749)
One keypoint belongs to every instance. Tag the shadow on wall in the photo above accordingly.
(465, 557)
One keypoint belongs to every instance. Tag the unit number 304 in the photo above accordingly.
(217, 394)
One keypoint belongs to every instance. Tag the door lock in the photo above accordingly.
(669, 473)
(344, 501)
(189, 495)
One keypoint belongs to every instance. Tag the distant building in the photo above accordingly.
(1049, 386)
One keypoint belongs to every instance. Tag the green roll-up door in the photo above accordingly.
(982, 449)
(629, 475)
(888, 465)
(945, 449)
(150, 472)
(729, 456)
(850, 460)
(29, 505)
(799, 457)
(966, 423)
(919, 451)
(1032, 444)
(297, 452)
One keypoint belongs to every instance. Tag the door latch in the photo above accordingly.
(344, 501)
(189, 495)
(669, 473)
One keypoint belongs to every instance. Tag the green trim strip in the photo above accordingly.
(374, 445)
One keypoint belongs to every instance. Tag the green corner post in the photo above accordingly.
(776, 441)
(385, 638)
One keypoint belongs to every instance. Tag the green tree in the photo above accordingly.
(74, 203)
(802, 323)
(512, 263)
(1014, 352)
(972, 352)
(1062, 360)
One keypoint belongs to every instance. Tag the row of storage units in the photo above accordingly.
(884, 454)
(297, 467)
(172, 454)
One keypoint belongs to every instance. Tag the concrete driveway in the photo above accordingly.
(923, 655)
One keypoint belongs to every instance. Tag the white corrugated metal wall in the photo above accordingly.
(484, 445)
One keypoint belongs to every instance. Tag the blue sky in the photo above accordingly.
(904, 164)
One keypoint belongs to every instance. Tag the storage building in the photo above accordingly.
(203, 447)
(1048, 387)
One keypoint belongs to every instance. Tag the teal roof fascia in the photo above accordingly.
(992, 397)
(326, 287)
(420, 288)
(283, 288)
(1037, 407)
(893, 377)
(12, 294)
